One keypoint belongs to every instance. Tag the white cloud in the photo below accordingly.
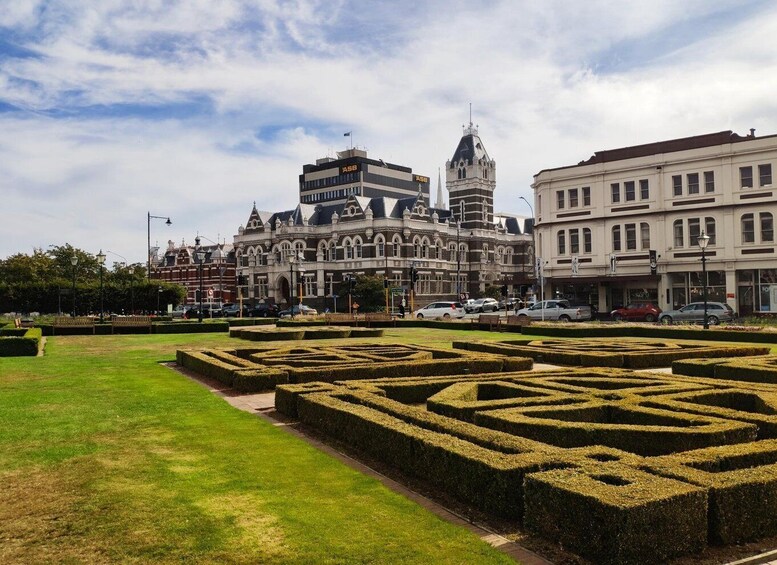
(550, 84)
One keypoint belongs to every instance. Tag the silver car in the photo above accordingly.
(441, 310)
(694, 312)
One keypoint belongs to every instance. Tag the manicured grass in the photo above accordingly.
(108, 456)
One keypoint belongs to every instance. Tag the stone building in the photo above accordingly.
(359, 216)
(624, 225)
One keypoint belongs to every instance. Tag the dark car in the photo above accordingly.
(208, 311)
(299, 310)
(264, 311)
(233, 310)
(637, 312)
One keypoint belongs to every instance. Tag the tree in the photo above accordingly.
(370, 293)
(492, 292)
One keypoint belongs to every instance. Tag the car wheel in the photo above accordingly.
(480, 310)
(564, 318)
(713, 320)
(522, 316)
(419, 316)
(650, 318)
(617, 317)
(666, 320)
(446, 316)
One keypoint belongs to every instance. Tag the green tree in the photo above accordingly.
(370, 293)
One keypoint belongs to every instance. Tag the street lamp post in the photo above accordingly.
(101, 262)
(704, 241)
(537, 265)
(291, 286)
(148, 249)
(200, 257)
(158, 295)
(74, 263)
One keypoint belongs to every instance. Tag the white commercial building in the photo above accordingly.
(623, 226)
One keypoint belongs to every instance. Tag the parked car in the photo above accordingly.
(560, 310)
(179, 311)
(299, 310)
(694, 312)
(482, 305)
(507, 303)
(441, 310)
(637, 312)
(233, 310)
(208, 311)
(264, 310)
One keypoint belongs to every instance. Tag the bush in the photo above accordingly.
(618, 514)
(26, 345)
(189, 327)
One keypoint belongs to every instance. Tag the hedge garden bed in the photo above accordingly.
(18, 342)
(302, 333)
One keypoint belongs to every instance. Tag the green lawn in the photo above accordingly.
(107, 456)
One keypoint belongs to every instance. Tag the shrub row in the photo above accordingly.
(306, 332)
(609, 504)
(594, 353)
(27, 344)
(762, 369)
(650, 331)
(218, 366)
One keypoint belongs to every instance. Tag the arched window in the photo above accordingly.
(260, 259)
(299, 248)
(348, 248)
(767, 226)
(417, 248)
(644, 235)
(677, 229)
(396, 244)
(616, 238)
(508, 256)
(748, 228)
(380, 246)
(587, 245)
(424, 248)
(452, 252)
(357, 247)
(709, 227)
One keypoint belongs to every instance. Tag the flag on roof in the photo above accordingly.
(347, 134)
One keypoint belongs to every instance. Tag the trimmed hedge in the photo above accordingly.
(650, 331)
(762, 369)
(27, 344)
(742, 484)
(617, 515)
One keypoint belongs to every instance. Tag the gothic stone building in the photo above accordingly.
(358, 216)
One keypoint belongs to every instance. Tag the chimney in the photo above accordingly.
(752, 132)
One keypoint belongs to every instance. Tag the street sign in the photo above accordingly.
(398, 291)
(210, 293)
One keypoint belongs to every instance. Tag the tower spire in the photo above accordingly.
(440, 203)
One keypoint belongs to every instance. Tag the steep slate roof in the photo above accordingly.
(470, 146)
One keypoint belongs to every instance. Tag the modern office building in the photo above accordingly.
(624, 225)
(360, 216)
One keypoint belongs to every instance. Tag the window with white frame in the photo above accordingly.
(587, 244)
(709, 229)
(677, 185)
(574, 241)
(357, 248)
(767, 226)
(694, 231)
(262, 288)
(560, 199)
(310, 285)
(709, 181)
(644, 234)
(561, 239)
(330, 285)
(746, 177)
(417, 248)
(765, 175)
(381, 247)
(748, 228)
(644, 189)
(677, 228)
(586, 195)
(348, 247)
(631, 237)
(615, 192)
(629, 189)
(396, 243)
(573, 198)
(616, 238)
(693, 183)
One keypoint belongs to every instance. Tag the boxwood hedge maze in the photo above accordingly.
(617, 465)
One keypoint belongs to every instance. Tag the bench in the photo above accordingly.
(490, 320)
(63, 322)
(377, 317)
(513, 320)
(333, 318)
(17, 323)
(131, 322)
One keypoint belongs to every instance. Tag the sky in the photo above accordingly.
(196, 109)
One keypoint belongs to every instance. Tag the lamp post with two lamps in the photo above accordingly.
(148, 249)
(101, 262)
(300, 271)
(704, 241)
(74, 263)
(199, 256)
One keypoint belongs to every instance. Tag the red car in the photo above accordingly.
(638, 312)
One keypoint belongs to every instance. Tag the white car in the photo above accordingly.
(441, 310)
(482, 305)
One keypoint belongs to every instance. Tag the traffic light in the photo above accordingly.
(353, 282)
(413, 275)
(197, 295)
(385, 282)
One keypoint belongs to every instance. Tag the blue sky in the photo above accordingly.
(197, 108)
